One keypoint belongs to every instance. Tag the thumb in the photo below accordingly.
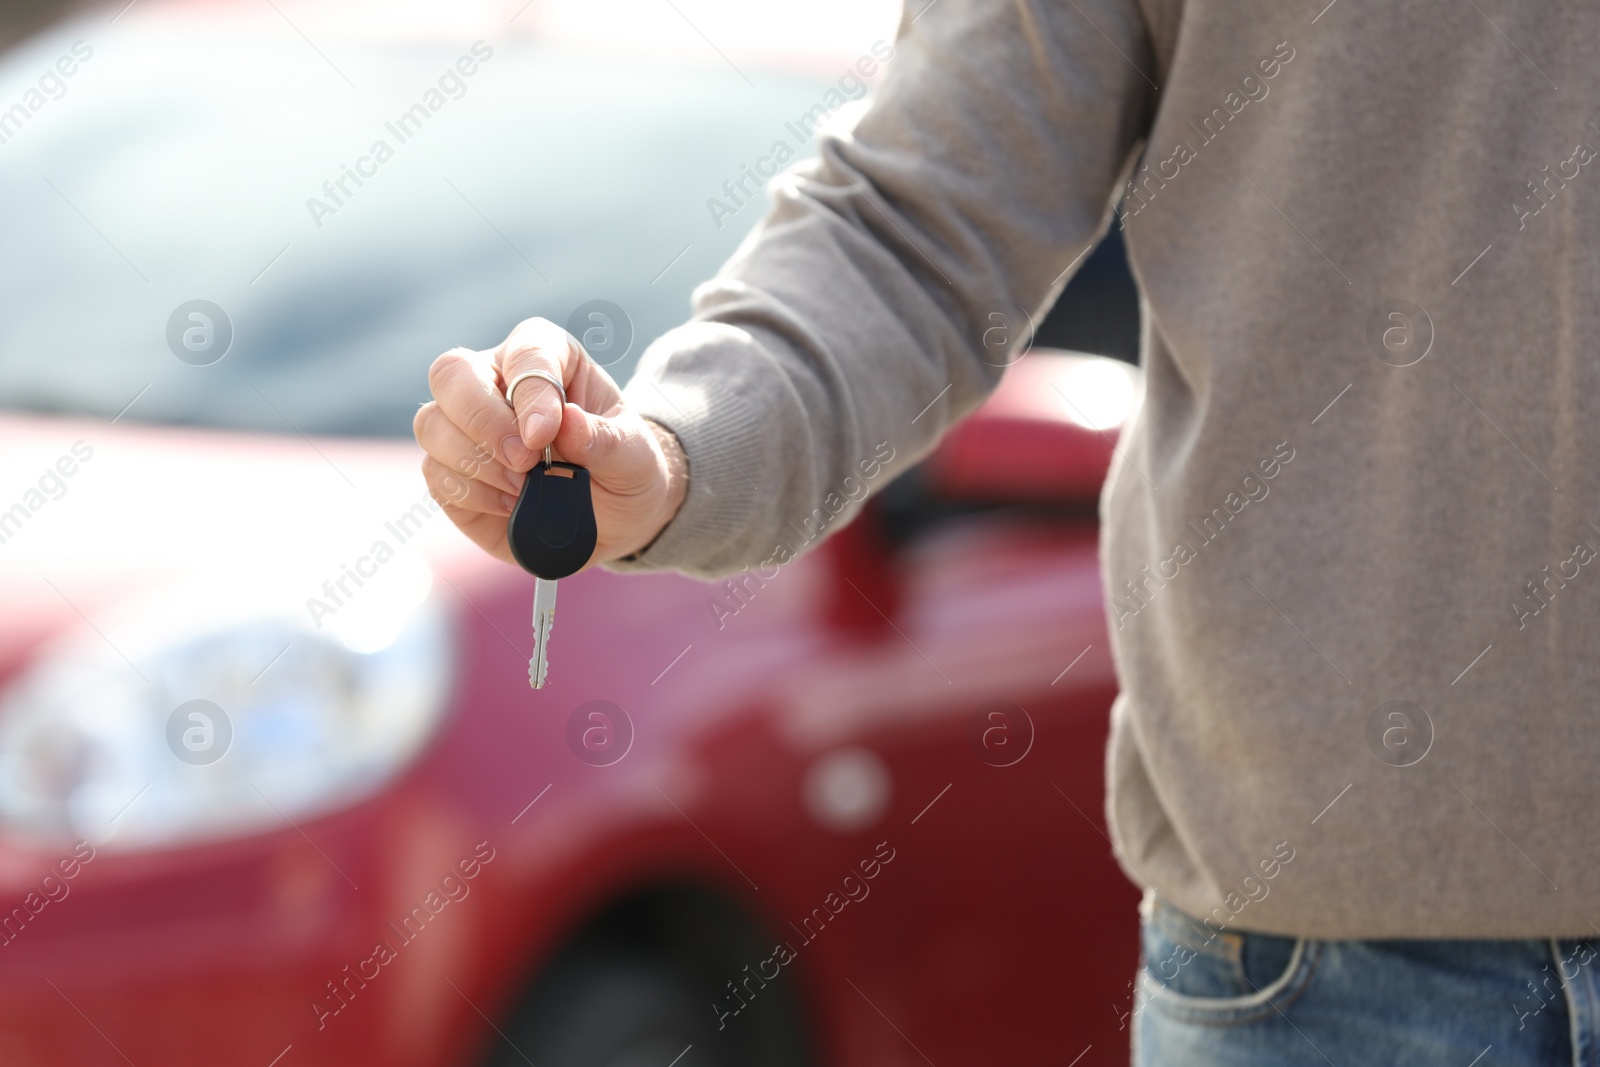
(616, 451)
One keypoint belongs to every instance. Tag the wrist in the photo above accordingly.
(675, 471)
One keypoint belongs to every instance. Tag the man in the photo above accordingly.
(1354, 759)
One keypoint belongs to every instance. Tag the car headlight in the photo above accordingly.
(221, 712)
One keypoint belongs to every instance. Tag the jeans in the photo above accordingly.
(1209, 998)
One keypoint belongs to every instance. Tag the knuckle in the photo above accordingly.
(607, 437)
(475, 461)
(421, 420)
(621, 434)
(537, 337)
(453, 490)
(448, 367)
(444, 483)
(483, 422)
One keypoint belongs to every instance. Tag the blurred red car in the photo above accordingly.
(273, 787)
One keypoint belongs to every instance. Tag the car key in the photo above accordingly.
(544, 620)
(551, 533)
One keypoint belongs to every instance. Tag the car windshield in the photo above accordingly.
(343, 225)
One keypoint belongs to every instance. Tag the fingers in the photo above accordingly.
(444, 441)
(537, 345)
(466, 494)
(488, 532)
(467, 390)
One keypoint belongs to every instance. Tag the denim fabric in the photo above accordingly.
(1230, 997)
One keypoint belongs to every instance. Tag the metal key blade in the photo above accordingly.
(544, 619)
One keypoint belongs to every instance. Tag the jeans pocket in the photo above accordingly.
(1199, 973)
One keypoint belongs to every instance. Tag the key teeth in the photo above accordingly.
(544, 606)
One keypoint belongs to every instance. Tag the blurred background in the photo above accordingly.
(271, 780)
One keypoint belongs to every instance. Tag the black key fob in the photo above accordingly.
(551, 530)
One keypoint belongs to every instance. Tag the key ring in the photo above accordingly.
(542, 375)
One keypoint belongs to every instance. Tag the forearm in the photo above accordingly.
(894, 277)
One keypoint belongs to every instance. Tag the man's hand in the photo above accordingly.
(478, 449)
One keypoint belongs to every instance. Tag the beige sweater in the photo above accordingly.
(1354, 525)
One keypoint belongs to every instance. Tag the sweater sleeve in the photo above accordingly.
(896, 274)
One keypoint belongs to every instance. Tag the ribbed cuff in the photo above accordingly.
(724, 440)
